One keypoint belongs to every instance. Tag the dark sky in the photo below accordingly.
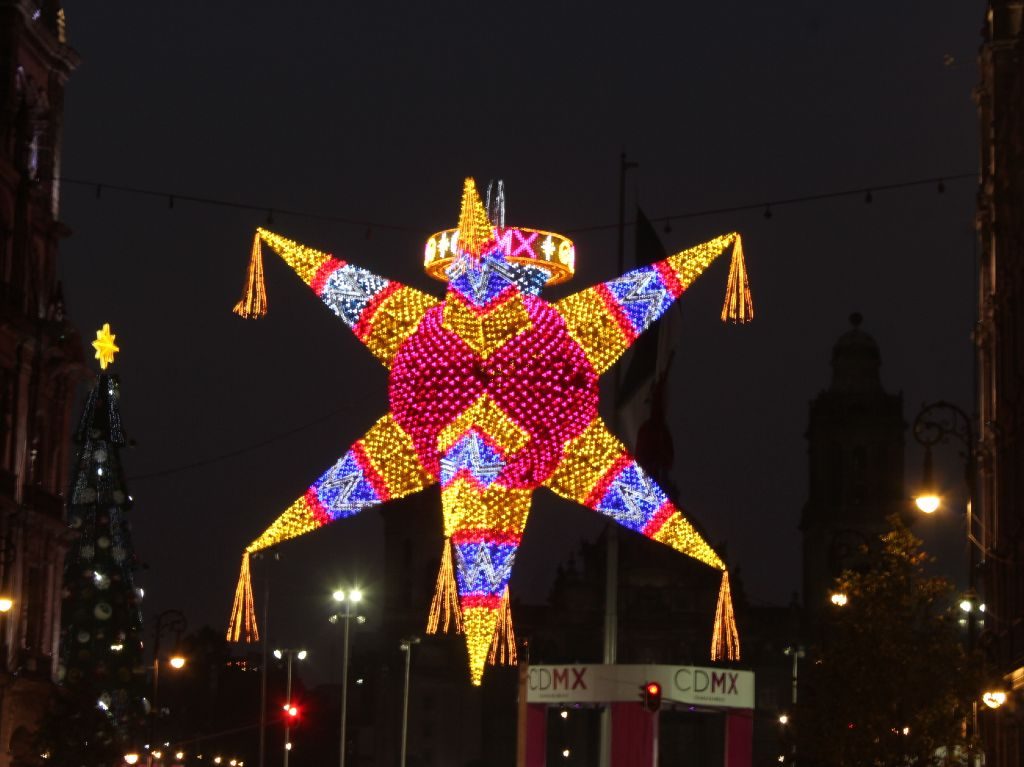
(376, 112)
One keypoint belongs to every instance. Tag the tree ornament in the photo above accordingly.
(105, 346)
(493, 393)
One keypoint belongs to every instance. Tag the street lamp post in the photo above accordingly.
(935, 424)
(349, 598)
(406, 647)
(289, 709)
(166, 622)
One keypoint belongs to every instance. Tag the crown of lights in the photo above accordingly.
(553, 253)
(493, 394)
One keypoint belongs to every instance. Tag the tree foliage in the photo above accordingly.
(890, 682)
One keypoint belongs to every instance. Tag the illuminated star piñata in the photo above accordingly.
(493, 393)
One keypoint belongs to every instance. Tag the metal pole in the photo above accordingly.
(155, 708)
(287, 706)
(611, 587)
(407, 647)
(344, 680)
(263, 664)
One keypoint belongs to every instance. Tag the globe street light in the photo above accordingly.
(353, 596)
(290, 710)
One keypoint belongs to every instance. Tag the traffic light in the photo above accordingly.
(650, 695)
(291, 714)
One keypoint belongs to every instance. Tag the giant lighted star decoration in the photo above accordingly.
(105, 346)
(493, 393)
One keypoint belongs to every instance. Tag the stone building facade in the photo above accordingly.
(999, 337)
(40, 364)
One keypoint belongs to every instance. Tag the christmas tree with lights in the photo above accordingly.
(100, 714)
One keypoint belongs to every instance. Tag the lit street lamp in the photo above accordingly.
(353, 596)
(289, 709)
(934, 425)
(406, 647)
(167, 622)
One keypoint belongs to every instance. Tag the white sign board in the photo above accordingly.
(689, 685)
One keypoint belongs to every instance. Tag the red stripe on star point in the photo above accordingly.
(327, 268)
(496, 537)
(364, 327)
(605, 482)
(614, 308)
(316, 508)
(481, 600)
(660, 517)
(380, 487)
(669, 278)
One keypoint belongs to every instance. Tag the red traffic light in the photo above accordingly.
(650, 696)
(291, 712)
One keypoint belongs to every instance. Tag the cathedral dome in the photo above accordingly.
(856, 360)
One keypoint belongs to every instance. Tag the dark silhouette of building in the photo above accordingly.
(40, 363)
(855, 454)
(999, 336)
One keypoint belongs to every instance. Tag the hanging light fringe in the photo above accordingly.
(253, 304)
(738, 306)
(725, 639)
(503, 646)
(445, 605)
(242, 626)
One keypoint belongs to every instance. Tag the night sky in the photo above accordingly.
(375, 112)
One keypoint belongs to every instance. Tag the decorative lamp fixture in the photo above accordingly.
(928, 500)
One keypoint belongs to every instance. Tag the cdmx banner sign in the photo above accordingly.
(708, 687)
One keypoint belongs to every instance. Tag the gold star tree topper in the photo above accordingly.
(105, 346)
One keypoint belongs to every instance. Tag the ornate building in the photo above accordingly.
(855, 451)
(999, 336)
(40, 364)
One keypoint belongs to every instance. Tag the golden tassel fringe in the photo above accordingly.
(738, 306)
(242, 626)
(253, 304)
(445, 604)
(503, 646)
(725, 640)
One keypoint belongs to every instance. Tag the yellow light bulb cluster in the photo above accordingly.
(738, 306)
(480, 623)
(242, 627)
(474, 225)
(725, 637)
(497, 508)
(488, 332)
(395, 318)
(254, 295)
(444, 608)
(486, 415)
(305, 261)
(391, 453)
(587, 459)
(503, 646)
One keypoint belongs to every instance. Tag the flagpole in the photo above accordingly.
(611, 589)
